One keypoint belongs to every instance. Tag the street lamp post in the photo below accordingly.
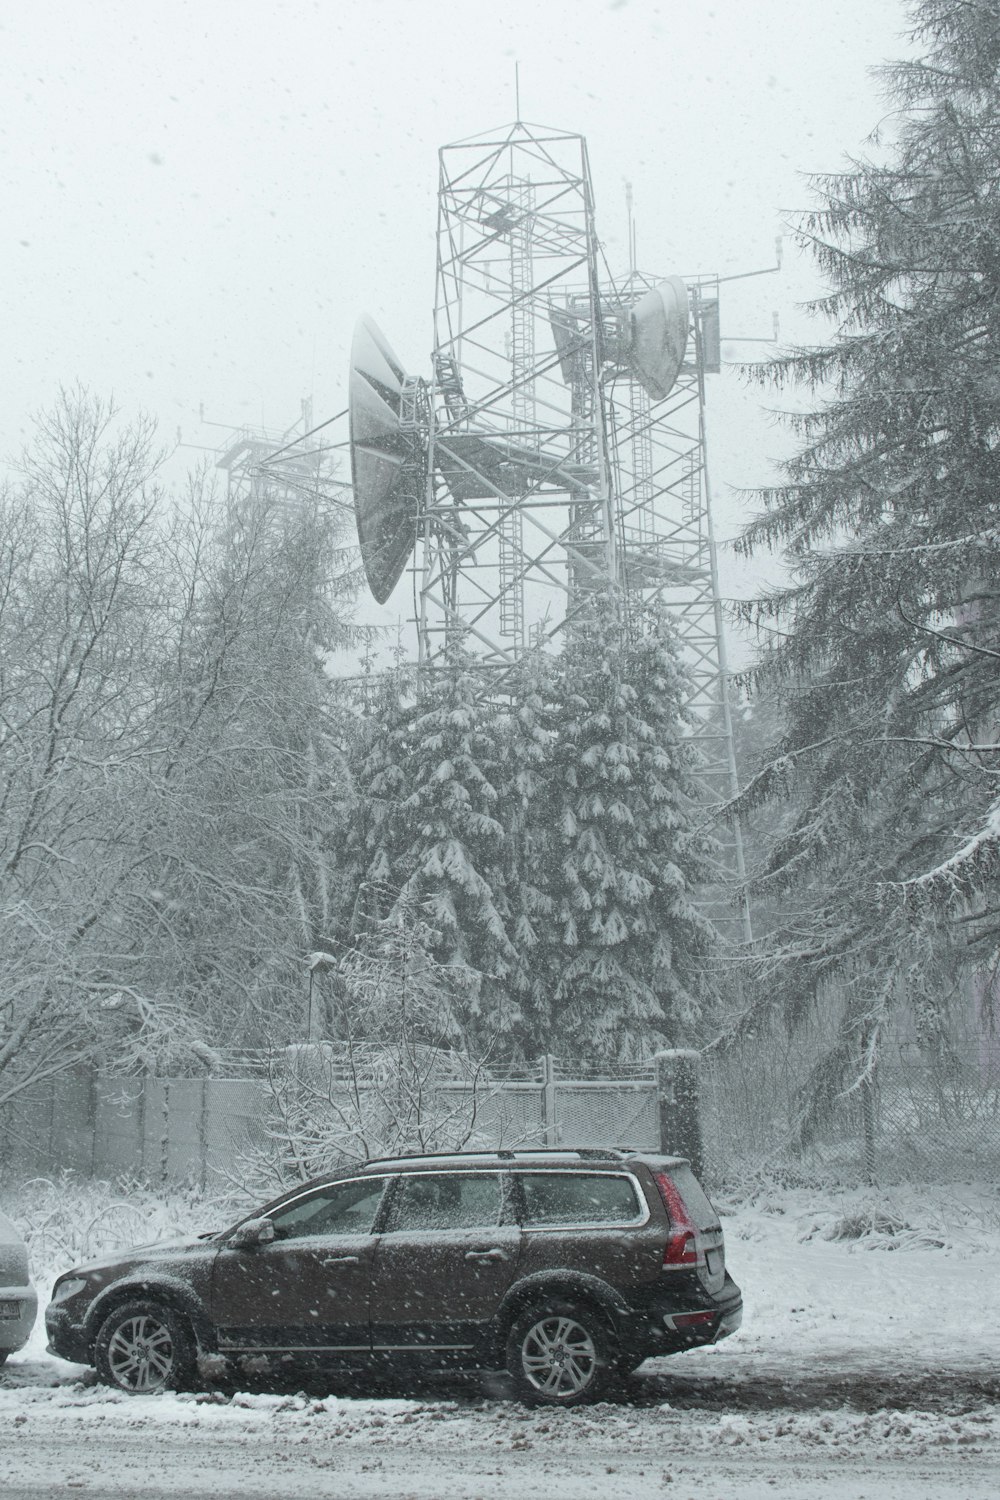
(319, 962)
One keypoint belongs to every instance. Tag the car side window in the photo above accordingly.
(442, 1200)
(343, 1208)
(567, 1198)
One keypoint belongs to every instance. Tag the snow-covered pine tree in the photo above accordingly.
(529, 730)
(887, 637)
(427, 790)
(622, 855)
(674, 849)
(376, 739)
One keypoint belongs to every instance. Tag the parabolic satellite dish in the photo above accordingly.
(387, 464)
(659, 324)
(390, 465)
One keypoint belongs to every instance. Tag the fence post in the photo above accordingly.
(92, 1108)
(203, 1136)
(549, 1100)
(53, 1166)
(868, 1129)
(678, 1098)
(165, 1132)
(141, 1116)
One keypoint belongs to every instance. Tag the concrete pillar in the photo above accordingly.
(552, 1131)
(678, 1094)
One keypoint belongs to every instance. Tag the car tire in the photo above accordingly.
(561, 1353)
(144, 1347)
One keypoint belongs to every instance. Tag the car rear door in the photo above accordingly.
(446, 1257)
(308, 1291)
(597, 1222)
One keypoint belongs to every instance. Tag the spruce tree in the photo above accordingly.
(622, 854)
(886, 639)
(675, 851)
(529, 729)
(428, 810)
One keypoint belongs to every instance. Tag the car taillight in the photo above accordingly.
(681, 1248)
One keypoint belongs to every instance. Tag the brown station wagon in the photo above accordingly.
(567, 1267)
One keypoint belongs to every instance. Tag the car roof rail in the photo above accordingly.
(505, 1153)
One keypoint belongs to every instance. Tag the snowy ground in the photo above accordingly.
(865, 1367)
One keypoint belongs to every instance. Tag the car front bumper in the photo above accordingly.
(66, 1339)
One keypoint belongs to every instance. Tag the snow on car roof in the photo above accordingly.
(591, 1156)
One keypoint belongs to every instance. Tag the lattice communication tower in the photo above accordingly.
(558, 441)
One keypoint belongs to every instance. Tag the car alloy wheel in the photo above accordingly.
(142, 1348)
(559, 1354)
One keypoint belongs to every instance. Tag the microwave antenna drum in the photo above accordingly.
(659, 326)
(388, 458)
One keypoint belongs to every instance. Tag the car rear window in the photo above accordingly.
(568, 1198)
(442, 1200)
(695, 1199)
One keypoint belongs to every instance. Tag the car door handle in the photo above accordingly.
(486, 1255)
(342, 1260)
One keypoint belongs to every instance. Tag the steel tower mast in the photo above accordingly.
(518, 510)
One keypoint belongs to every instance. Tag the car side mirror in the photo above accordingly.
(252, 1232)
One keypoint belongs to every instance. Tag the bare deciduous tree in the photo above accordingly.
(169, 769)
(397, 1077)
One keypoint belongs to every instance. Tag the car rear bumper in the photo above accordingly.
(684, 1319)
(18, 1309)
(730, 1320)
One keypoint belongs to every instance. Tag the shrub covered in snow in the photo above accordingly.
(69, 1220)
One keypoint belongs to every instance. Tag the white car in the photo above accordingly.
(18, 1299)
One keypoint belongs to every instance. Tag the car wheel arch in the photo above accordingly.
(175, 1295)
(577, 1286)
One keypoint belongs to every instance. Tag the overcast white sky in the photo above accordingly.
(198, 199)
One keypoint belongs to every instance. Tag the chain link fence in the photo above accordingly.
(928, 1113)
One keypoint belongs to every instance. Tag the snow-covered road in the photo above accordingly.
(439, 1449)
(858, 1373)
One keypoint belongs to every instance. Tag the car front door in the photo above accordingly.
(447, 1255)
(307, 1291)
